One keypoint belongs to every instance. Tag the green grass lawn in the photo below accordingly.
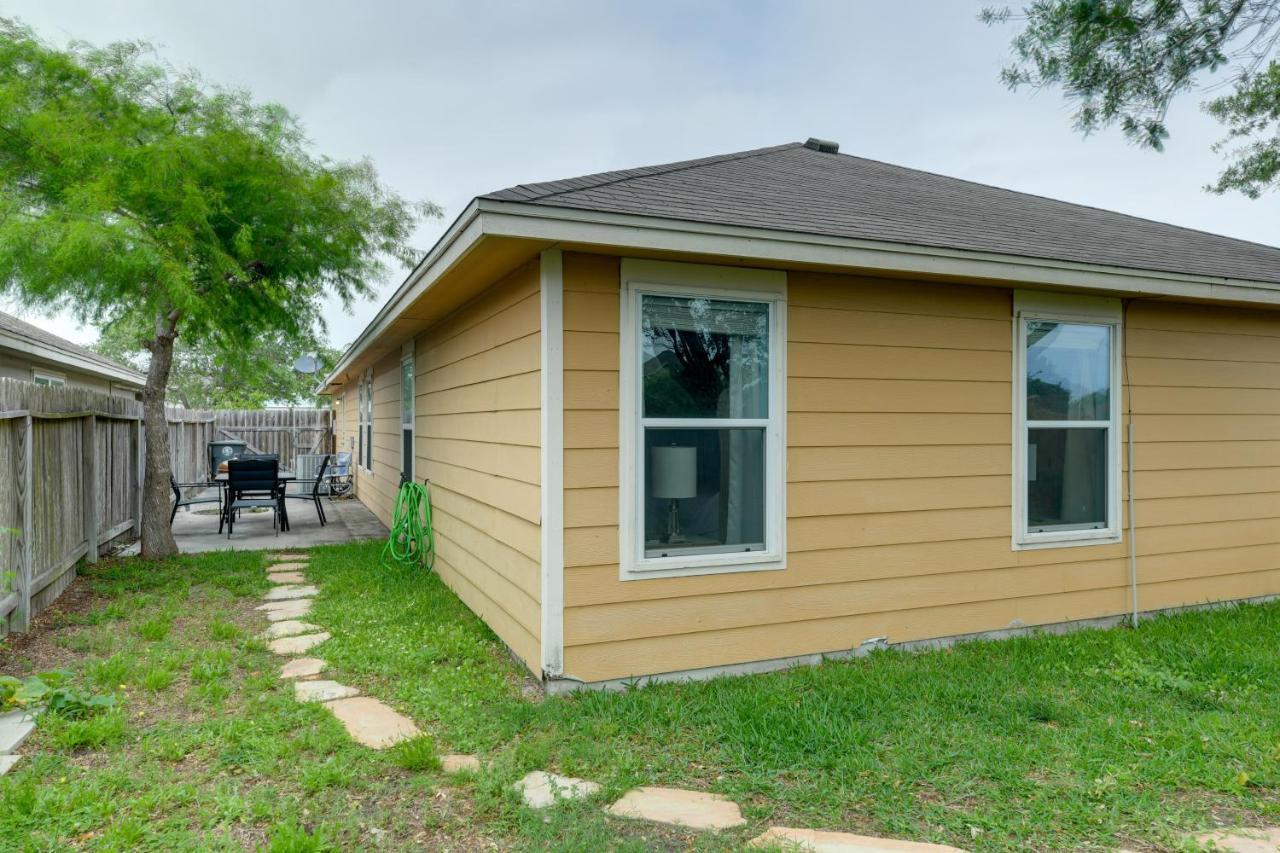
(1096, 739)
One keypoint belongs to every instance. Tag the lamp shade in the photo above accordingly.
(675, 472)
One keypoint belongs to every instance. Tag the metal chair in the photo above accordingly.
(177, 496)
(314, 496)
(340, 479)
(255, 483)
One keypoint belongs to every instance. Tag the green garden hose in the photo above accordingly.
(412, 541)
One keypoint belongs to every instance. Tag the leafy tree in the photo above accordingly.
(133, 193)
(1125, 61)
(206, 377)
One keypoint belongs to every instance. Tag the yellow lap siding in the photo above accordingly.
(899, 480)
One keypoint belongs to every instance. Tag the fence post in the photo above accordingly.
(137, 474)
(21, 620)
(89, 483)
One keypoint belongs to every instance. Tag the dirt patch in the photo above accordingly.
(38, 649)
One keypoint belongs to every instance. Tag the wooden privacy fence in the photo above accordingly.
(287, 432)
(70, 482)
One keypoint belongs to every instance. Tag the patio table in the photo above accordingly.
(284, 477)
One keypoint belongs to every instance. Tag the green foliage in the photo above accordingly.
(205, 376)
(416, 754)
(49, 691)
(1123, 62)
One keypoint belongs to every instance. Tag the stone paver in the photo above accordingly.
(372, 723)
(297, 645)
(541, 789)
(15, 726)
(280, 611)
(455, 763)
(288, 557)
(286, 577)
(1242, 840)
(817, 841)
(322, 691)
(302, 668)
(285, 593)
(7, 762)
(290, 566)
(289, 628)
(694, 809)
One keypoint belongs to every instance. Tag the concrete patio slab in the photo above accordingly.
(293, 566)
(1243, 840)
(297, 645)
(15, 727)
(818, 841)
(289, 628)
(303, 668)
(694, 809)
(541, 789)
(371, 723)
(322, 691)
(296, 608)
(286, 577)
(7, 762)
(455, 763)
(284, 593)
(349, 521)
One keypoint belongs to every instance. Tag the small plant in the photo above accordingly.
(156, 629)
(85, 733)
(49, 690)
(417, 754)
(222, 630)
(157, 678)
(292, 838)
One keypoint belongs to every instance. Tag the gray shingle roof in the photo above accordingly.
(23, 329)
(795, 188)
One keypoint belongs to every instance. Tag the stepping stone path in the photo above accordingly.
(817, 841)
(322, 691)
(15, 727)
(541, 789)
(289, 628)
(1264, 840)
(694, 809)
(367, 720)
(459, 763)
(302, 668)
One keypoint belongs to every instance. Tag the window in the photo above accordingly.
(406, 416)
(1067, 415)
(365, 393)
(48, 378)
(702, 419)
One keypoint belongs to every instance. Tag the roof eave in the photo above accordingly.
(501, 218)
(71, 360)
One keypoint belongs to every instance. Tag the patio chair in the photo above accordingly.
(314, 494)
(340, 477)
(177, 496)
(252, 484)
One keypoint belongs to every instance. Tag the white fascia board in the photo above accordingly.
(486, 217)
(71, 361)
(542, 222)
(551, 484)
(454, 245)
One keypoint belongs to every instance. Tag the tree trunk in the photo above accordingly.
(157, 538)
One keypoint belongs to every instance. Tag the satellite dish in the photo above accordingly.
(307, 364)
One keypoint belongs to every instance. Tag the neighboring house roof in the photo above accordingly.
(797, 188)
(19, 335)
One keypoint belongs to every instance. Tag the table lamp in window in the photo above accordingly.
(675, 478)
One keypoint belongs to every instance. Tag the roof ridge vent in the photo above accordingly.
(826, 146)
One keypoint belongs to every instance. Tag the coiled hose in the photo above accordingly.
(412, 541)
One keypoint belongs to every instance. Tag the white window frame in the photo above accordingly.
(641, 277)
(407, 423)
(52, 378)
(365, 421)
(1064, 308)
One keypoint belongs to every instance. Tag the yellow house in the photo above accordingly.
(753, 410)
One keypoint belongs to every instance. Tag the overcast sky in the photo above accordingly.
(453, 99)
